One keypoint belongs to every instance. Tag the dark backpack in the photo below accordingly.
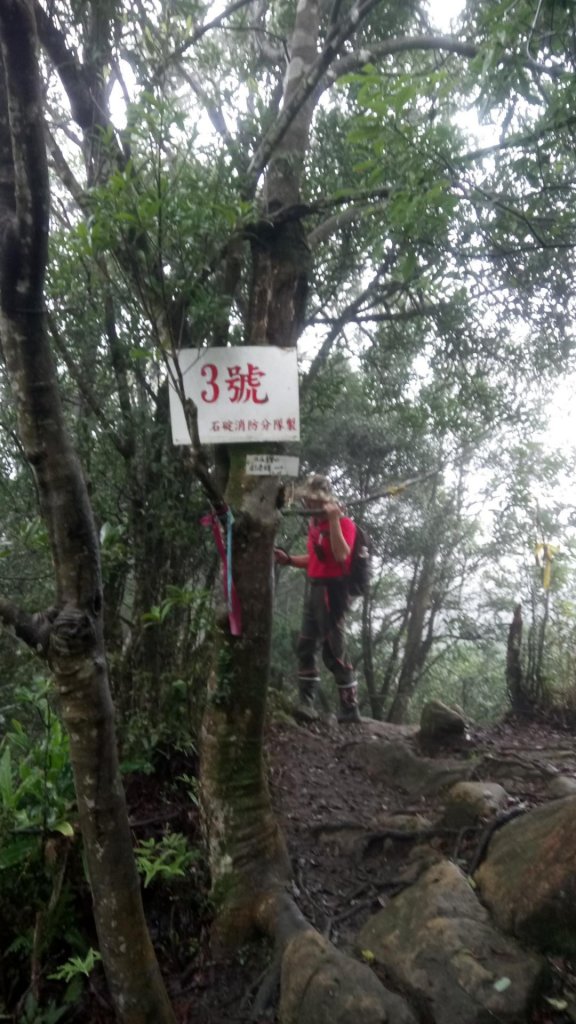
(360, 572)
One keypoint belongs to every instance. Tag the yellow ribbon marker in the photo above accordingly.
(548, 552)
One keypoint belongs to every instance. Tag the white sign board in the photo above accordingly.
(242, 394)
(272, 465)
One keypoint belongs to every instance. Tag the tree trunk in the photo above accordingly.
(247, 851)
(539, 673)
(515, 680)
(417, 646)
(374, 695)
(70, 635)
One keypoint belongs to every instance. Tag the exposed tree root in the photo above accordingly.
(266, 990)
(490, 829)
(371, 838)
(391, 889)
(318, 983)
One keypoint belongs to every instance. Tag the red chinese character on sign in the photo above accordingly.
(278, 424)
(227, 425)
(265, 424)
(244, 387)
(240, 425)
(215, 425)
(291, 424)
(252, 424)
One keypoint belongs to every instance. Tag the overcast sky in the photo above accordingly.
(443, 11)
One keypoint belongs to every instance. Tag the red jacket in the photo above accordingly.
(321, 562)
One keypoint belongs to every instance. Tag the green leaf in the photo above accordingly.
(7, 793)
(77, 965)
(557, 1004)
(64, 827)
(502, 984)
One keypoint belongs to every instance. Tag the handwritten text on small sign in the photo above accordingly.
(272, 465)
(241, 394)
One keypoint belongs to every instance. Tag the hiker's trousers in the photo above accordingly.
(323, 624)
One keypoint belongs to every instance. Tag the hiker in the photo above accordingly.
(330, 542)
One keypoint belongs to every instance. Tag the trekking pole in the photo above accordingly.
(390, 491)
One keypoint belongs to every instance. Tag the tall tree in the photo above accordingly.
(68, 635)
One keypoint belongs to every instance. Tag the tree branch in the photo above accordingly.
(65, 173)
(194, 38)
(81, 86)
(340, 220)
(350, 313)
(296, 211)
(34, 629)
(68, 66)
(372, 53)
(304, 90)
(65, 506)
(24, 253)
(401, 315)
(518, 140)
(212, 109)
(86, 389)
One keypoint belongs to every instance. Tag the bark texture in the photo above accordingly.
(248, 857)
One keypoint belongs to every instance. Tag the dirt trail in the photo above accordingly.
(324, 806)
(327, 807)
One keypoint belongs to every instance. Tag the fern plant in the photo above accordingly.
(166, 858)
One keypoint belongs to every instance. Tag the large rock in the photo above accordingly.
(436, 942)
(562, 785)
(395, 763)
(440, 723)
(468, 803)
(322, 986)
(528, 879)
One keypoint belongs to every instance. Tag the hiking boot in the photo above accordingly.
(307, 687)
(349, 713)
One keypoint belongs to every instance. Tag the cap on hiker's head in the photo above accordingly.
(316, 488)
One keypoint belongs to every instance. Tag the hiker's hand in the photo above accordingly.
(332, 510)
(282, 557)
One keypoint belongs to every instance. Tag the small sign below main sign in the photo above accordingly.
(272, 465)
(242, 394)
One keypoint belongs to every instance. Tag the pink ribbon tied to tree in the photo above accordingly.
(214, 521)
